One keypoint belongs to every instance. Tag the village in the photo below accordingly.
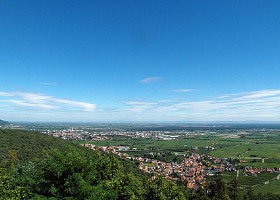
(193, 170)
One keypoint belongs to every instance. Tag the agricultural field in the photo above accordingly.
(261, 183)
(261, 150)
(272, 186)
(257, 150)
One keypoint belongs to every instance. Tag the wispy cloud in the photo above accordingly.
(166, 100)
(47, 83)
(183, 90)
(6, 94)
(150, 79)
(256, 105)
(139, 106)
(41, 101)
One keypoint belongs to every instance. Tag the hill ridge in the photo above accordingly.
(2, 122)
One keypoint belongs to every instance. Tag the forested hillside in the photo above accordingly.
(28, 145)
(37, 166)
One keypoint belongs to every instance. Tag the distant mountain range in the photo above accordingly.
(2, 122)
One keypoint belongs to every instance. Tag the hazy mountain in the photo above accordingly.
(2, 122)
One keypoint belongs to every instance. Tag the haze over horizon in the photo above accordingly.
(139, 60)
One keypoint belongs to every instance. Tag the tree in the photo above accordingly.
(11, 160)
(249, 194)
(161, 189)
(9, 189)
(234, 189)
(218, 189)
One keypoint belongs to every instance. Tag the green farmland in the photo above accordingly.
(260, 183)
(251, 148)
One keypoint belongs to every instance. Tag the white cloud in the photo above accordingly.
(149, 79)
(48, 83)
(256, 105)
(139, 106)
(166, 100)
(6, 94)
(86, 106)
(183, 90)
(41, 101)
(27, 104)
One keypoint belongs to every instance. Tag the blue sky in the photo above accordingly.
(148, 60)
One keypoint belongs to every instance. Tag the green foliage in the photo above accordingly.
(218, 189)
(11, 159)
(9, 189)
(28, 145)
(127, 186)
(165, 190)
(249, 194)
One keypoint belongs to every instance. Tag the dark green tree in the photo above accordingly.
(234, 189)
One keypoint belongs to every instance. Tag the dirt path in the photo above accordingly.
(267, 182)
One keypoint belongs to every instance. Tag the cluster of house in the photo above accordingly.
(251, 171)
(193, 170)
(87, 134)
(189, 171)
(69, 134)
(114, 149)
